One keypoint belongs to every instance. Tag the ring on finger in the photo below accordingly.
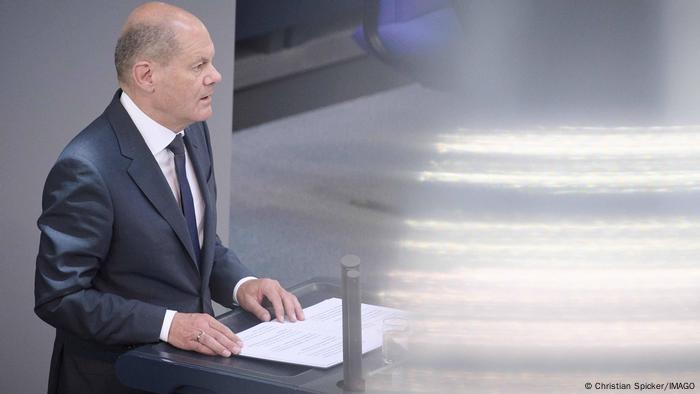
(199, 336)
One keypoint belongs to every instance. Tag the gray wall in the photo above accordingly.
(58, 75)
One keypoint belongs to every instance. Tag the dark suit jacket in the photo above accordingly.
(114, 250)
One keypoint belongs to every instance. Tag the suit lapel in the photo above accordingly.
(146, 173)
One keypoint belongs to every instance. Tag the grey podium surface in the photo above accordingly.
(162, 368)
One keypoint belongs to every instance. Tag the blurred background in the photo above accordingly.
(522, 175)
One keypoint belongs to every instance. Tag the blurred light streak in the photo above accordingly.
(557, 333)
(675, 141)
(652, 242)
(626, 182)
(431, 295)
(477, 245)
(662, 224)
(571, 160)
(566, 279)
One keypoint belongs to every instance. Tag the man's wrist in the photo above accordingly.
(167, 322)
(240, 282)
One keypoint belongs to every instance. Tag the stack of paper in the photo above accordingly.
(318, 340)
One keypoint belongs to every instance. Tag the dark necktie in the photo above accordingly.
(186, 200)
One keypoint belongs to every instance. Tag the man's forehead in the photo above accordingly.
(196, 43)
(203, 52)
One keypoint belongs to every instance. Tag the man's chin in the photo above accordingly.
(204, 115)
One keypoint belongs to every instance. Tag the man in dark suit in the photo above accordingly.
(128, 252)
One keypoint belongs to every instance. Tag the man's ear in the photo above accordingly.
(142, 74)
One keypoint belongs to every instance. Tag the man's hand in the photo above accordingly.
(203, 334)
(251, 294)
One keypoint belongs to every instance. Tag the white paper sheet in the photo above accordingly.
(316, 341)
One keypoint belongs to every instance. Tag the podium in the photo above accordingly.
(162, 368)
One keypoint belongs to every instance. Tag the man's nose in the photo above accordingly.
(213, 77)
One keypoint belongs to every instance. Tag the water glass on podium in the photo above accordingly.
(395, 335)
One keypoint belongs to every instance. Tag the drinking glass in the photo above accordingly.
(395, 332)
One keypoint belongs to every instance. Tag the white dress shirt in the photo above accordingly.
(157, 138)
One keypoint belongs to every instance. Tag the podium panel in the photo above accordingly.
(162, 368)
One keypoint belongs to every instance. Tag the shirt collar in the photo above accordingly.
(157, 136)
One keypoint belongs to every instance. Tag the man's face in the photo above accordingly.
(184, 87)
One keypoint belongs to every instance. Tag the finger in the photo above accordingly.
(210, 341)
(219, 330)
(288, 300)
(200, 348)
(274, 297)
(298, 309)
(225, 331)
(253, 306)
(232, 346)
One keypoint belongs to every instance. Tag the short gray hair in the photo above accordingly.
(154, 42)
